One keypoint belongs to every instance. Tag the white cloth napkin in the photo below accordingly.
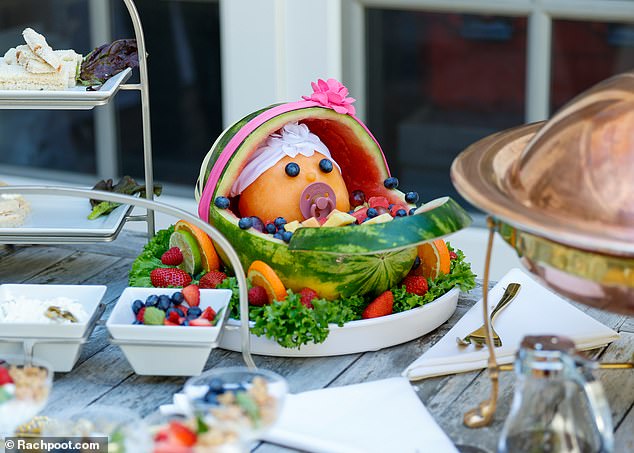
(535, 310)
(379, 416)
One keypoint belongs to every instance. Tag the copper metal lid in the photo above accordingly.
(568, 184)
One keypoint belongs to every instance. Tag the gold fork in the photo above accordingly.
(478, 336)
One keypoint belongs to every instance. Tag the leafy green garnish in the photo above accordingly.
(125, 186)
(149, 259)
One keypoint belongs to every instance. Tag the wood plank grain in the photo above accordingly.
(619, 384)
(25, 262)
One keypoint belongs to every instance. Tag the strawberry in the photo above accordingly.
(211, 279)
(381, 306)
(181, 434)
(200, 322)
(5, 377)
(173, 257)
(360, 215)
(173, 317)
(163, 277)
(375, 202)
(167, 322)
(416, 284)
(258, 296)
(191, 294)
(140, 314)
(307, 295)
(209, 314)
(453, 255)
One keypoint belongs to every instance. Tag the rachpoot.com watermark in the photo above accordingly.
(55, 444)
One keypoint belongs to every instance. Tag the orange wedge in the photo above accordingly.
(208, 256)
(434, 259)
(262, 275)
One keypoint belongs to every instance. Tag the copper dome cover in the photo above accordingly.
(562, 193)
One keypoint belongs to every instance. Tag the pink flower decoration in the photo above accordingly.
(332, 94)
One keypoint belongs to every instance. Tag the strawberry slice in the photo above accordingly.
(181, 434)
(5, 377)
(200, 322)
(167, 322)
(375, 202)
(209, 314)
(191, 294)
(140, 314)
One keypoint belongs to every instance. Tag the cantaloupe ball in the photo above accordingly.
(276, 194)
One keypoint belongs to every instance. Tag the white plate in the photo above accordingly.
(121, 328)
(356, 336)
(65, 216)
(77, 93)
(87, 295)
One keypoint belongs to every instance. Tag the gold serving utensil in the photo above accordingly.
(478, 335)
(54, 312)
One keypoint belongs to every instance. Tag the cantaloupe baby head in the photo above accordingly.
(334, 261)
(292, 176)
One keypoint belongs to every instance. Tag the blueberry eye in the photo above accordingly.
(325, 165)
(292, 169)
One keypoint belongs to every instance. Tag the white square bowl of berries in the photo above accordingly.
(168, 331)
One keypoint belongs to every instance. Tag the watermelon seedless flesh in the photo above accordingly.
(338, 261)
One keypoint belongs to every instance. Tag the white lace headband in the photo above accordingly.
(294, 139)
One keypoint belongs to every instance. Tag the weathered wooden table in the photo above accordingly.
(103, 376)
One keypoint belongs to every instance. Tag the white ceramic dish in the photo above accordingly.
(65, 216)
(63, 354)
(356, 336)
(165, 350)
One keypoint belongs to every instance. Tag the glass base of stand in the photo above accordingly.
(470, 449)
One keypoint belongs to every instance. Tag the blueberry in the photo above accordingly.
(286, 236)
(210, 398)
(136, 322)
(194, 311)
(391, 182)
(257, 223)
(185, 323)
(280, 221)
(216, 386)
(137, 305)
(325, 165)
(401, 213)
(177, 298)
(412, 211)
(164, 302)
(281, 229)
(222, 202)
(390, 206)
(416, 264)
(178, 311)
(245, 223)
(278, 236)
(151, 301)
(371, 212)
(270, 228)
(411, 197)
(292, 169)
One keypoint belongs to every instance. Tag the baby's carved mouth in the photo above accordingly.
(317, 200)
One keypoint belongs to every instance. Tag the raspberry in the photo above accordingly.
(211, 279)
(173, 257)
(416, 284)
(258, 296)
(162, 277)
(453, 255)
(307, 295)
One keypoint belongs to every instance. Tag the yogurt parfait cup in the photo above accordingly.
(24, 389)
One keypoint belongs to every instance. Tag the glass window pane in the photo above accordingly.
(183, 42)
(436, 84)
(58, 140)
(585, 53)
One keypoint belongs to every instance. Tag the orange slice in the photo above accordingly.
(434, 259)
(262, 275)
(208, 256)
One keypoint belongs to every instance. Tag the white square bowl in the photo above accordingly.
(58, 344)
(165, 350)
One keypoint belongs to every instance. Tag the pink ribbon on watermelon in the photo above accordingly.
(326, 94)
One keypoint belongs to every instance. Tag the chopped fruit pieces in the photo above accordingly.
(381, 306)
(261, 274)
(5, 377)
(140, 315)
(209, 314)
(311, 223)
(181, 434)
(416, 284)
(200, 322)
(360, 214)
(380, 219)
(307, 295)
(338, 218)
(258, 296)
(372, 213)
(191, 294)
(375, 202)
(292, 226)
(173, 257)
(208, 256)
(357, 198)
(435, 259)
(164, 277)
(398, 207)
(211, 279)
(153, 316)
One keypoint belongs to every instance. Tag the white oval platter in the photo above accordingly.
(355, 336)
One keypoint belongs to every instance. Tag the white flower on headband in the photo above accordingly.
(292, 140)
